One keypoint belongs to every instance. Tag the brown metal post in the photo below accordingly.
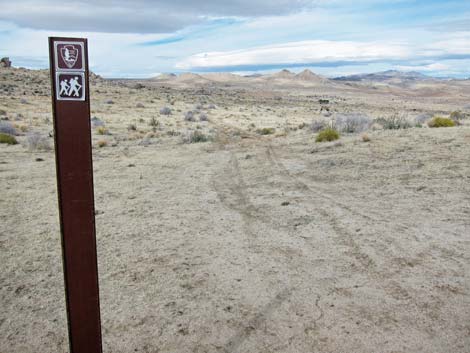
(73, 151)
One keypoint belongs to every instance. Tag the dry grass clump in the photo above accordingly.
(328, 134)
(102, 131)
(37, 142)
(441, 122)
(266, 131)
(365, 138)
(8, 139)
(102, 143)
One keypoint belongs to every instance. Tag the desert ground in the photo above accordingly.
(247, 236)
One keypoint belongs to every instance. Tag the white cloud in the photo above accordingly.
(305, 52)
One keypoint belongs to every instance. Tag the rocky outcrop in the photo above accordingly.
(5, 62)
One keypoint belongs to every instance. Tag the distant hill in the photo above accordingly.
(308, 75)
(283, 74)
(385, 76)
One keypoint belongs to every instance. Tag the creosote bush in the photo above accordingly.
(441, 122)
(266, 131)
(8, 139)
(195, 137)
(328, 134)
(394, 122)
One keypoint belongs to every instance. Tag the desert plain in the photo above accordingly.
(230, 229)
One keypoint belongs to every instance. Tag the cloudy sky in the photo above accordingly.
(141, 38)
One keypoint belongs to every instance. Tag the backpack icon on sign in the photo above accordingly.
(69, 54)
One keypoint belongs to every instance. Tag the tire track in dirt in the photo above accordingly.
(345, 235)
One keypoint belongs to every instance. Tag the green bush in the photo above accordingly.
(328, 134)
(8, 139)
(441, 122)
(195, 137)
(266, 131)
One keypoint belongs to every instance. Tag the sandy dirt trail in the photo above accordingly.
(253, 245)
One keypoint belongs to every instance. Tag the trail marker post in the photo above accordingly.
(72, 135)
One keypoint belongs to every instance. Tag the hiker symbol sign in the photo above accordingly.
(70, 85)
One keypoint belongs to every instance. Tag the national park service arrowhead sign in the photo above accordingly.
(74, 168)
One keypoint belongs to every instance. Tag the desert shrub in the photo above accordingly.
(211, 106)
(139, 105)
(8, 139)
(266, 131)
(441, 122)
(195, 137)
(95, 122)
(365, 138)
(154, 123)
(109, 101)
(35, 141)
(132, 127)
(203, 117)
(394, 122)
(421, 119)
(7, 128)
(318, 125)
(102, 143)
(328, 134)
(102, 130)
(198, 106)
(351, 123)
(165, 111)
(189, 116)
(457, 116)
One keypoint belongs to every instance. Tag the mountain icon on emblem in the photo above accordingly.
(69, 54)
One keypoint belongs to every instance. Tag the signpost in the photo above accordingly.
(72, 134)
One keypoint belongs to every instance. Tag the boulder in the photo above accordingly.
(5, 62)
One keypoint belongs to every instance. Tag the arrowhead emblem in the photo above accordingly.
(69, 54)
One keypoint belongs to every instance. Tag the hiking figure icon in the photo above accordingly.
(64, 88)
(74, 87)
(70, 86)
